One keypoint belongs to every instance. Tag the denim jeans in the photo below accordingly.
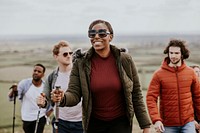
(68, 126)
(187, 128)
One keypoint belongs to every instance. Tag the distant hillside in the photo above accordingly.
(138, 40)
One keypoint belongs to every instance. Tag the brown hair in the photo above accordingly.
(178, 43)
(60, 44)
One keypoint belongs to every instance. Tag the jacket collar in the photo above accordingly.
(115, 51)
(172, 69)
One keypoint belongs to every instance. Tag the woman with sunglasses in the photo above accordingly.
(107, 80)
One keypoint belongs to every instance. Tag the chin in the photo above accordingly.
(98, 48)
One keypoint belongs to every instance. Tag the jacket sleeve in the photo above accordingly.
(137, 99)
(153, 93)
(73, 94)
(22, 88)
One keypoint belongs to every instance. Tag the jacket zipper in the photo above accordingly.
(176, 71)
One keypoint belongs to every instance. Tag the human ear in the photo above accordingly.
(110, 38)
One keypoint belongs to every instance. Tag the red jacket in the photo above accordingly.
(178, 89)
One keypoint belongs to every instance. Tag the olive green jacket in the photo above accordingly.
(79, 87)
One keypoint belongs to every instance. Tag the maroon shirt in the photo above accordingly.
(107, 93)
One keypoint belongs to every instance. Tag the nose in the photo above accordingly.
(173, 55)
(96, 35)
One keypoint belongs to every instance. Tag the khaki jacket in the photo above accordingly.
(80, 83)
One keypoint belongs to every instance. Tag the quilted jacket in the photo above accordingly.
(79, 86)
(179, 93)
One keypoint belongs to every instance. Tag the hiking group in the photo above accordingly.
(99, 91)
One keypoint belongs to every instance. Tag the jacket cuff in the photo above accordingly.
(146, 126)
(63, 102)
(156, 120)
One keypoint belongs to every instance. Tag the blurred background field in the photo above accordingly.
(17, 57)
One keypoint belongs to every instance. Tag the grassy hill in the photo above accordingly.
(17, 60)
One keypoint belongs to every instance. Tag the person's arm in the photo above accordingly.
(197, 125)
(13, 92)
(17, 90)
(146, 130)
(45, 101)
(152, 97)
(137, 98)
(41, 101)
(195, 88)
(159, 127)
(73, 94)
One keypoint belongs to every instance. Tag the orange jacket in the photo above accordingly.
(178, 90)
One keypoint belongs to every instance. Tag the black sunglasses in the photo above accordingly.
(67, 53)
(101, 33)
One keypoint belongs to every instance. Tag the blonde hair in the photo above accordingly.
(60, 44)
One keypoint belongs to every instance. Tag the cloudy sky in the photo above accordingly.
(74, 16)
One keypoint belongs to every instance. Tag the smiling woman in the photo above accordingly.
(108, 75)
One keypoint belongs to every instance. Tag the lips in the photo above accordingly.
(35, 76)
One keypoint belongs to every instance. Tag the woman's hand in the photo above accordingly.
(57, 95)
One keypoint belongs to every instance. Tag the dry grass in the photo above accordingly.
(17, 62)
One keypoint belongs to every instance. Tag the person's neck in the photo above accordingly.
(103, 53)
(37, 83)
(65, 68)
(175, 65)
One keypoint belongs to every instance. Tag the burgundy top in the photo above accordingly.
(108, 100)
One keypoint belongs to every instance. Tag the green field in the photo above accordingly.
(17, 63)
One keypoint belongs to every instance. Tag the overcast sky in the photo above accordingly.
(74, 16)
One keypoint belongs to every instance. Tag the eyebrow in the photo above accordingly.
(174, 52)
